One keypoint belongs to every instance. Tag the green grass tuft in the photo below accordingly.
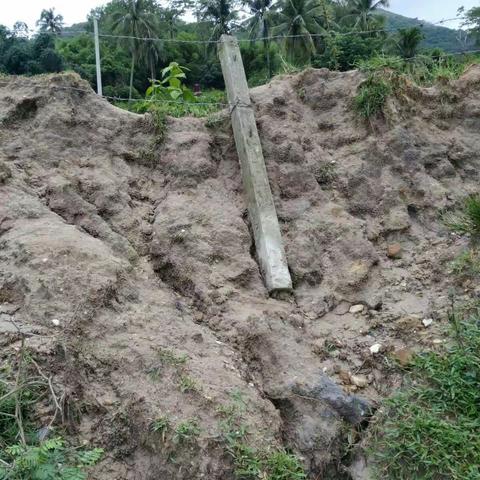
(187, 431)
(372, 96)
(161, 425)
(250, 463)
(432, 430)
(467, 220)
(282, 465)
(188, 384)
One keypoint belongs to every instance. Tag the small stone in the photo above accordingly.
(427, 322)
(344, 376)
(375, 348)
(394, 250)
(342, 308)
(197, 337)
(403, 356)
(360, 381)
(56, 322)
(356, 308)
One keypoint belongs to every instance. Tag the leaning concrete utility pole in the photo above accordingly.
(261, 209)
(97, 56)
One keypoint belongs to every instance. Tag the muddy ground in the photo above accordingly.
(118, 256)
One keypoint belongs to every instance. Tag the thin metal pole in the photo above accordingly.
(97, 57)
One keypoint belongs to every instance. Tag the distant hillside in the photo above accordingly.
(435, 36)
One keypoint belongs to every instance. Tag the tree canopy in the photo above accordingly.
(275, 35)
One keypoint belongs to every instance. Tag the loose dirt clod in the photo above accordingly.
(145, 258)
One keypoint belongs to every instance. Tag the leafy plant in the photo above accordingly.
(51, 460)
(24, 455)
(186, 431)
(433, 427)
(171, 86)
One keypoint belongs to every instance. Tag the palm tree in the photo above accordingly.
(170, 17)
(221, 12)
(259, 26)
(153, 52)
(301, 21)
(134, 19)
(364, 13)
(49, 22)
(409, 40)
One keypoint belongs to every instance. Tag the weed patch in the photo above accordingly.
(25, 452)
(188, 384)
(432, 429)
(187, 431)
(251, 463)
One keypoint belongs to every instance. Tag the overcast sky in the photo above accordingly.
(75, 11)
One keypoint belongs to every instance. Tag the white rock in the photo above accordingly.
(375, 348)
(427, 322)
(356, 308)
(360, 381)
(56, 322)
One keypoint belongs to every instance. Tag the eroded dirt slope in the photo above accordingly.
(112, 255)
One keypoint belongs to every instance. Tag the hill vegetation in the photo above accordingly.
(436, 36)
(276, 37)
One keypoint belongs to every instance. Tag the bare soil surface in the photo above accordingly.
(117, 257)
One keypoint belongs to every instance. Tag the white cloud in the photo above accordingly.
(28, 11)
